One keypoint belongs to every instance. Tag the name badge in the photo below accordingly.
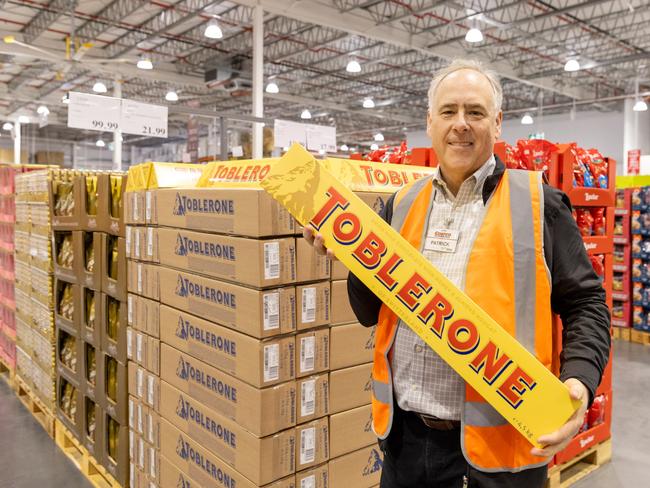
(442, 240)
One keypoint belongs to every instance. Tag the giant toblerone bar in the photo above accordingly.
(519, 387)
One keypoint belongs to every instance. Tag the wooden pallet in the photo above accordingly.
(640, 337)
(564, 475)
(7, 373)
(81, 458)
(35, 405)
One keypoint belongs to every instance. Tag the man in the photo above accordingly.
(517, 252)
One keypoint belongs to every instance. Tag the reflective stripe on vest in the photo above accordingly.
(508, 254)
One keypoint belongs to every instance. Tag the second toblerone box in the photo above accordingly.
(236, 211)
(341, 309)
(351, 430)
(350, 387)
(351, 344)
(252, 262)
(258, 362)
(261, 411)
(253, 312)
(261, 459)
(202, 465)
(313, 305)
(358, 469)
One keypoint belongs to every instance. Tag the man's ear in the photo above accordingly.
(499, 121)
(429, 122)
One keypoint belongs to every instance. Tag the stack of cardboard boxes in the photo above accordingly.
(35, 334)
(89, 252)
(7, 296)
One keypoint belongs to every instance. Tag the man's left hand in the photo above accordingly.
(558, 440)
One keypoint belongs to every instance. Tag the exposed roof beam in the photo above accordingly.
(119, 9)
(46, 18)
(358, 23)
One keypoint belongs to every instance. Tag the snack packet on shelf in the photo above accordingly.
(585, 221)
(598, 215)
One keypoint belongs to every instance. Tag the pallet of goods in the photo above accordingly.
(7, 296)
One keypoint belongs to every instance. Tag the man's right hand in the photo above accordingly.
(317, 242)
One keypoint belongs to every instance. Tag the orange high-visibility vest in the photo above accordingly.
(507, 276)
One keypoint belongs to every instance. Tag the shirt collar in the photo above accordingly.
(479, 176)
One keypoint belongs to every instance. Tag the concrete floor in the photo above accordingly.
(30, 459)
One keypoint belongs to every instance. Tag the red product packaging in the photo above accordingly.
(598, 167)
(598, 214)
(585, 221)
(597, 261)
(535, 154)
(596, 414)
(512, 160)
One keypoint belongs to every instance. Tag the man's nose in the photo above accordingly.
(460, 123)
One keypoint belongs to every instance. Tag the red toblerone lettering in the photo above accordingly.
(490, 362)
(438, 308)
(463, 337)
(384, 273)
(335, 201)
(412, 290)
(370, 251)
(347, 228)
(514, 387)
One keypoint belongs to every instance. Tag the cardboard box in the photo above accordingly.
(68, 218)
(92, 428)
(312, 443)
(312, 352)
(89, 252)
(144, 314)
(261, 460)
(110, 215)
(91, 316)
(144, 385)
(114, 281)
(116, 452)
(68, 406)
(341, 309)
(152, 426)
(143, 279)
(350, 388)
(313, 397)
(49, 157)
(60, 239)
(135, 242)
(351, 430)
(375, 200)
(89, 201)
(258, 263)
(261, 411)
(317, 477)
(253, 312)
(144, 350)
(311, 266)
(257, 362)
(91, 374)
(237, 211)
(350, 345)
(113, 396)
(361, 469)
(200, 464)
(71, 368)
(313, 305)
(113, 340)
(71, 325)
(134, 204)
(338, 270)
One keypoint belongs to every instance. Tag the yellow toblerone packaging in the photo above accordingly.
(526, 394)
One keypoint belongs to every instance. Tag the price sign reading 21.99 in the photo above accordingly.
(143, 119)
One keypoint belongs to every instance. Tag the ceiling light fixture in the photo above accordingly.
(640, 106)
(374, 147)
(368, 103)
(145, 62)
(23, 119)
(99, 87)
(43, 110)
(100, 143)
(379, 137)
(306, 114)
(272, 87)
(171, 96)
(474, 35)
(353, 66)
(572, 65)
(212, 30)
(344, 147)
(7, 126)
(527, 120)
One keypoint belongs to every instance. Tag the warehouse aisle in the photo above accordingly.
(28, 457)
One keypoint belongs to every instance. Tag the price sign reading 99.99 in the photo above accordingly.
(94, 112)
(143, 119)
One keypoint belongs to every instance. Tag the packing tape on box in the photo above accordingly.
(525, 393)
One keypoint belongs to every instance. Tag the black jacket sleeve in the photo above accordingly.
(364, 302)
(577, 296)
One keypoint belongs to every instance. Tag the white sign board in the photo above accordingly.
(94, 112)
(143, 119)
(321, 137)
(286, 133)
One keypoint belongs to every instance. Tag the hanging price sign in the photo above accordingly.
(94, 112)
(143, 119)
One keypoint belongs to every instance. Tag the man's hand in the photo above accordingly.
(558, 440)
(316, 240)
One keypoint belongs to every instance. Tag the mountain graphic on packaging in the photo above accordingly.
(181, 409)
(368, 426)
(179, 206)
(181, 249)
(181, 330)
(181, 371)
(182, 482)
(378, 205)
(370, 343)
(374, 463)
(181, 448)
(181, 289)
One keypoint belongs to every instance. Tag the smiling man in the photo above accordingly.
(513, 247)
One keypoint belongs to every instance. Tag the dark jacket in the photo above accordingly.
(577, 294)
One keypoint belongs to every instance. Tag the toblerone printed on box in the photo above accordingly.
(519, 388)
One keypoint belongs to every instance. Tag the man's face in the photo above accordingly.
(462, 122)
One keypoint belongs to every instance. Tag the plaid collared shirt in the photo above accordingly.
(423, 382)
